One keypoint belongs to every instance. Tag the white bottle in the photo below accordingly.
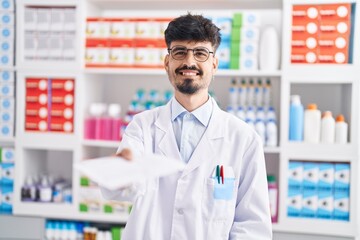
(271, 133)
(270, 114)
(341, 130)
(250, 114)
(259, 93)
(267, 93)
(241, 113)
(242, 93)
(230, 109)
(250, 122)
(260, 129)
(269, 57)
(233, 94)
(251, 93)
(312, 124)
(260, 114)
(327, 128)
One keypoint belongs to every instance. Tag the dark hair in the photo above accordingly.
(193, 28)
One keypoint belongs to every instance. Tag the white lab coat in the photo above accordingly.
(182, 206)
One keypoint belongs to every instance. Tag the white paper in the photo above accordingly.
(116, 172)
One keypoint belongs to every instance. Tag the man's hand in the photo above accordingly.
(126, 153)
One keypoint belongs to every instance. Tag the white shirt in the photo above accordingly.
(189, 127)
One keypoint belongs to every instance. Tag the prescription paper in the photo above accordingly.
(116, 172)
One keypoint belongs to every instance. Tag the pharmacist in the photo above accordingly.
(222, 192)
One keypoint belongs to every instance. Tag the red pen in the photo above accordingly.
(222, 174)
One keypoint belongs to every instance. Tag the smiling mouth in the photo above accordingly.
(187, 73)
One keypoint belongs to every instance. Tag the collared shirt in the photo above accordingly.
(189, 127)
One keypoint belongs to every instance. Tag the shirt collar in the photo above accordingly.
(203, 113)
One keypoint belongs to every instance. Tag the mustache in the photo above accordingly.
(177, 71)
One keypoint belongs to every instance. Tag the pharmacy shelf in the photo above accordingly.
(324, 73)
(199, 4)
(272, 149)
(326, 152)
(317, 226)
(101, 143)
(102, 217)
(7, 140)
(49, 141)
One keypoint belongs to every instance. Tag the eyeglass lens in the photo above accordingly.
(201, 54)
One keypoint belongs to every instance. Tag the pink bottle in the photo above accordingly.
(99, 111)
(90, 122)
(273, 197)
(114, 112)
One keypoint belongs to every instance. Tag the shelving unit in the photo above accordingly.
(339, 86)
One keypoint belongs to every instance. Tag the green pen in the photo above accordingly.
(218, 173)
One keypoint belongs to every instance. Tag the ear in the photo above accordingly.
(215, 64)
(166, 63)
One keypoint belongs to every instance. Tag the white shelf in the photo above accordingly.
(7, 140)
(102, 217)
(272, 149)
(199, 4)
(316, 226)
(49, 141)
(8, 68)
(319, 152)
(101, 143)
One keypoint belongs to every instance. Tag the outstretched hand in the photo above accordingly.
(126, 153)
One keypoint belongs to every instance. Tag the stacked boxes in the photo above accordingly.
(125, 42)
(245, 41)
(7, 36)
(50, 33)
(321, 33)
(7, 159)
(49, 105)
(223, 51)
(319, 190)
(91, 200)
(7, 104)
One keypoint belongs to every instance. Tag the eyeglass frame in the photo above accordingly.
(192, 49)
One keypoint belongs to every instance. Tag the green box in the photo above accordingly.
(116, 233)
(235, 48)
(83, 207)
(234, 62)
(108, 209)
(84, 181)
(235, 34)
(237, 20)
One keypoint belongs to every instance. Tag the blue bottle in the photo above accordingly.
(296, 123)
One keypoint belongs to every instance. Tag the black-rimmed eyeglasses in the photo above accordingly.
(201, 54)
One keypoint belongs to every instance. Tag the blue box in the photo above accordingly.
(295, 175)
(325, 204)
(326, 176)
(311, 175)
(309, 203)
(223, 53)
(7, 173)
(225, 25)
(342, 177)
(294, 203)
(341, 206)
(6, 201)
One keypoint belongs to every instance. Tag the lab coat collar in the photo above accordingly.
(206, 149)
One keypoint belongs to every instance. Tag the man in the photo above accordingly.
(222, 192)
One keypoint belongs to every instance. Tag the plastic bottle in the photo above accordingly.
(312, 124)
(242, 93)
(28, 191)
(230, 109)
(45, 190)
(49, 230)
(273, 197)
(250, 122)
(271, 133)
(327, 128)
(296, 120)
(250, 114)
(259, 93)
(270, 114)
(114, 111)
(269, 49)
(250, 93)
(233, 94)
(267, 93)
(341, 130)
(240, 113)
(260, 129)
(260, 114)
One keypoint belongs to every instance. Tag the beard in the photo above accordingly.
(187, 86)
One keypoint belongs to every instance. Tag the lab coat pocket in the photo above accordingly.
(224, 190)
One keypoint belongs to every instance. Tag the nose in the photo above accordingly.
(190, 59)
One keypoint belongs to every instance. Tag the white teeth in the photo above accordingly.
(189, 74)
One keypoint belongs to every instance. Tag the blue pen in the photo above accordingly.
(218, 173)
